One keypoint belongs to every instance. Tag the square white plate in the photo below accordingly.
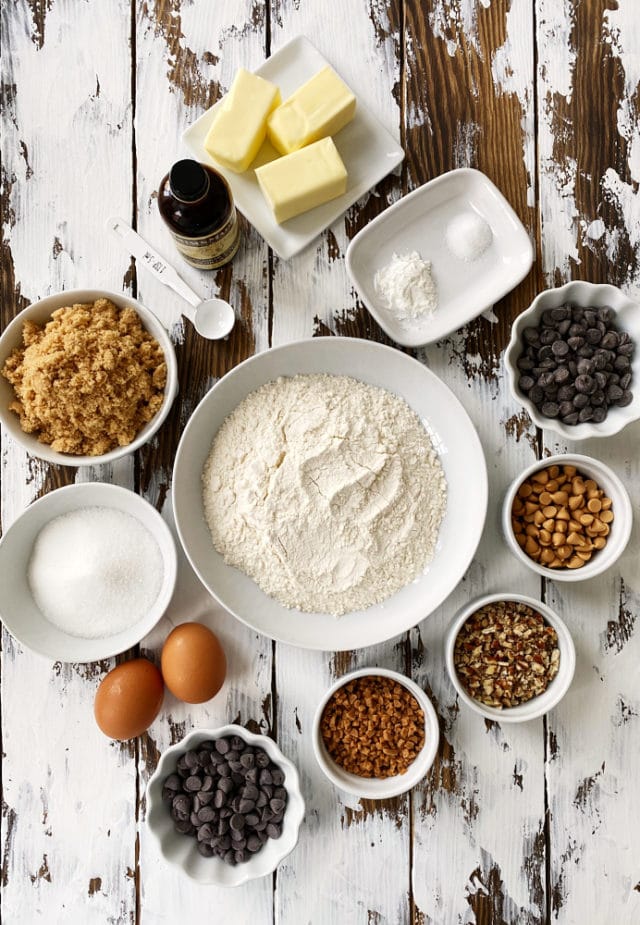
(418, 222)
(368, 150)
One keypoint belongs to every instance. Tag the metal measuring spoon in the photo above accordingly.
(212, 318)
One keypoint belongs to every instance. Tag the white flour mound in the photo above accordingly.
(326, 491)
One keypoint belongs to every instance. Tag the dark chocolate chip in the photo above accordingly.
(237, 822)
(550, 409)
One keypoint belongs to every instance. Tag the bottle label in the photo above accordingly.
(212, 250)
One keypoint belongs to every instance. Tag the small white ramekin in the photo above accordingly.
(374, 788)
(537, 706)
(620, 527)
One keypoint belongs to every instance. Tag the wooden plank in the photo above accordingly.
(588, 82)
(66, 116)
(187, 55)
(352, 861)
(478, 821)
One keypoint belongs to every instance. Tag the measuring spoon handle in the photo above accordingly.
(156, 264)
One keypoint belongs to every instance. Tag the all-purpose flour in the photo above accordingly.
(326, 491)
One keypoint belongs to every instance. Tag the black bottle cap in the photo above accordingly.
(188, 180)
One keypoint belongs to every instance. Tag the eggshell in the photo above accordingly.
(129, 699)
(193, 663)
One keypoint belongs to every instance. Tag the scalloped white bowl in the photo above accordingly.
(181, 852)
(588, 295)
(39, 313)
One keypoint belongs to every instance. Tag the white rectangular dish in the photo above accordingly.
(368, 150)
(418, 222)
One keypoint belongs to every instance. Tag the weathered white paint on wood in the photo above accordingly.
(69, 796)
(470, 837)
(180, 60)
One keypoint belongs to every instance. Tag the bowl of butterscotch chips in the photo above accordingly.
(86, 376)
(375, 733)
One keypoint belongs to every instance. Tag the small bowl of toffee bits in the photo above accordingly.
(567, 517)
(574, 362)
(375, 733)
(509, 657)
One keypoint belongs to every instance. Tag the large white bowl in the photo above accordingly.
(537, 706)
(454, 439)
(181, 850)
(18, 609)
(373, 788)
(587, 295)
(40, 312)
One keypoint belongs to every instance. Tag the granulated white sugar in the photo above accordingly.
(95, 571)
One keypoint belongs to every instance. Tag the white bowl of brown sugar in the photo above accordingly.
(86, 377)
(375, 733)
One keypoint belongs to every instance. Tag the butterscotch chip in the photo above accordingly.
(88, 380)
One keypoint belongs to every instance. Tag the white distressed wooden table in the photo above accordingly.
(527, 824)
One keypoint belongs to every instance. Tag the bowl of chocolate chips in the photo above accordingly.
(573, 360)
(224, 806)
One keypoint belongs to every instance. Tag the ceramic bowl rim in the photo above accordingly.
(155, 806)
(400, 783)
(12, 337)
(550, 298)
(546, 701)
(622, 524)
(281, 354)
(168, 550)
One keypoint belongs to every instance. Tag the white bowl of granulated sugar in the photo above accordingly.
(93, 568)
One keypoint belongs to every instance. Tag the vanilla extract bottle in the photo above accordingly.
(196, 204)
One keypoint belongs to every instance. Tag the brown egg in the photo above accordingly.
(129, 699)
(193, 663)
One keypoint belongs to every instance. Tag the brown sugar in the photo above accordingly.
(88, 380)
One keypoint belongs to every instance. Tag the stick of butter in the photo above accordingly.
(303, 180)
(240, 125)
(320, 107)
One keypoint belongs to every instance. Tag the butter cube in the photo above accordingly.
(303, 180)
(240, 124)
(320, 107)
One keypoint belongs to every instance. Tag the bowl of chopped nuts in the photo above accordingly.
(86, 377)
(510, 658)
(567, 517)
(375, 733)
(573, 360)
